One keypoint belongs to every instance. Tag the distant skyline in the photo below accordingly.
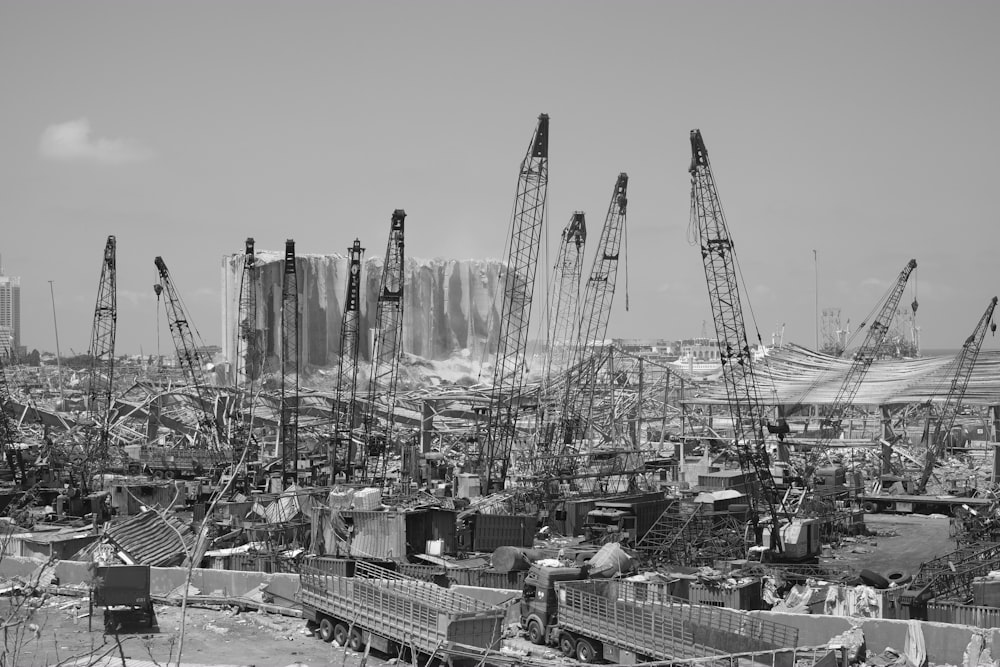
(862, 130)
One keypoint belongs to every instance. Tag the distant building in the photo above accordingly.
(10, 313)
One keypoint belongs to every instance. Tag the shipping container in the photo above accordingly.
(745, 596)
(503, 530)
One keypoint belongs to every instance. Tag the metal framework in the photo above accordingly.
(289, 367)
(564, 307)
(8, 432)
(248, 352)
(863, 358)
(734, 350)
(102, 351)
(964, 364)
(387, 346)
(596, 310)
(515, 313)
(689, 535)
(189, 358)
(345, 406)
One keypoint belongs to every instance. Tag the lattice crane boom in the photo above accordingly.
(102, 348)
(738, 371)
(388, 343)
(345, 405)
(289, 367)
(595, 311)
(964, 364)
(874, 339)
(188, 356)
(564, 308)
(515, 313)
(248, 352)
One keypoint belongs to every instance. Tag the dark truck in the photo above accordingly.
(627, 622)
(395, 614)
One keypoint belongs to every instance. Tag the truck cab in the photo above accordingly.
(539, 604)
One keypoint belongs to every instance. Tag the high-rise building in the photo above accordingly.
(10, 313)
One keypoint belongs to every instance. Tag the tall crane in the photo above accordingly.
(102, 352)
(515, 313)
(959, 383)
(387, 346)
(289, 367)
(249, 355)
(738, 371)
(863, 358)
(564, 308)
(189, 358)
(345, 404)
(596, 310)
(248, 352)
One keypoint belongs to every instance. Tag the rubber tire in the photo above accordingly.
(870, 507)
(340, 634)
(874, 579)
(567, 644)
(536, 635)
(898, 577)
(326, 630)
(355, 641)
(586, 651)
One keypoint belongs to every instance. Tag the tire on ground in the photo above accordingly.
(898, 577)
(873, 579)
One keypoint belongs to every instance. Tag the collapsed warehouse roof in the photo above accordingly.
(796, 375)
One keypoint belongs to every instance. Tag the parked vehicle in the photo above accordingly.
(627, 622)
(393, 613)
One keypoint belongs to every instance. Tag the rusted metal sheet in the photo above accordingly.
(376, 534)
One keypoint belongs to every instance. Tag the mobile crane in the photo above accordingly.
(564, 324)
(102, 356)
(515, 313)
(210, 434)
(734, 350)
(345, 404)
(289, 367)
(960, 382)
(387, 347)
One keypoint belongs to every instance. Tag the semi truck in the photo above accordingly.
(628, 622)
(394, 614)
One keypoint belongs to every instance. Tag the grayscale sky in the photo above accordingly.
(867, 132)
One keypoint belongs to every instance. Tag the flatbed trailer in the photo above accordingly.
(911, 504)
(393, 613)
(627, 622)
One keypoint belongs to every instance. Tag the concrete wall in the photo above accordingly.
(163, 580)
(945, 643)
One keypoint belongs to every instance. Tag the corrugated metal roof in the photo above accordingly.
(149, 539)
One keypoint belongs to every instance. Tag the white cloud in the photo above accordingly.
(73, 142)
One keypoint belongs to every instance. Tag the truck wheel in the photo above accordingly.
(536, 635)
(586, 651)
(870, 507)
(340, 634)
(567, 644)
(326, 629)
(355, 641)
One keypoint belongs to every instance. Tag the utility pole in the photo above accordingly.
(55, 325)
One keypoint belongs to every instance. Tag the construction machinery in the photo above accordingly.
(875, 338)
(102, 345)
(386, 349)
(210, 431)
(289, 368)
(345, 405)
(515, 312)
(563, 324)
(964, 364)
(738, 369)
(595, 313)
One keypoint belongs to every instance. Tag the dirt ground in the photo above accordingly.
(901, 542)
(211, 638)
